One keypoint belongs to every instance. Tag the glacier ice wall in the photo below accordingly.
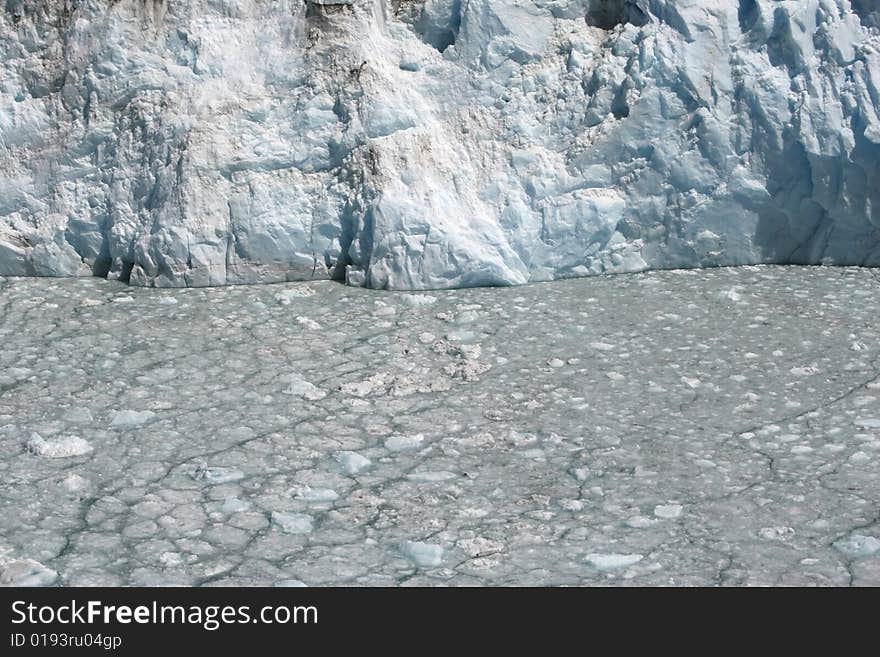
(434, 143)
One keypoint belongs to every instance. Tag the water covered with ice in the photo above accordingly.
(638, 429)
(434, 143)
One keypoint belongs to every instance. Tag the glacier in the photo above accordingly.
(422, 144)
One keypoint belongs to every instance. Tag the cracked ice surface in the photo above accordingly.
(710, 427)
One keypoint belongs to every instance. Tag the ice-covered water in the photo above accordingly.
(710, 427)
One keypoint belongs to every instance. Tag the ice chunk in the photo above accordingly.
(612, 561)
(217, 474)
(352, 463)
(291, 583)
(293, 523)
(26, 572)
(58, 448)
(424, 555)
(439, 475)
(317, 495)
(402, 443)
(668, 511)
(298, 386)
(127, 418)
(858, 545)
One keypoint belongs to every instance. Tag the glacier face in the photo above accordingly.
(420, 144)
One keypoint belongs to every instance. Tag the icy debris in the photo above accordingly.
(298, 386)
(385, 311)
(234, 505)
(316, 495)
(415, 300)
(291, 583)
(423, 555)
(293, 523)
(858, 546)
(171, 559)
(79, 416)
(869, 423)
(402, 443)
(286, 297)
(612, 561)
(779, 533)
(641, 522)
(25, 572)
(59, 447)
(731, 295)
(308, 323)
(217, 474)
(479, 546)
(74, 483)
(601, 346)
(860, 458)
(127, 418)
(430, 477)
(668, 511)
(352, 463)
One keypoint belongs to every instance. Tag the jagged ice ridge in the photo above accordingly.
(434, 143)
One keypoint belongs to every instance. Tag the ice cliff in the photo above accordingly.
(434, 143)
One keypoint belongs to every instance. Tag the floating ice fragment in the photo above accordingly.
(285, 297)
(808, 370)
(74, 483)
(309, 323)
(401, 443)
(218, 474)
(300, 387)
(424, 555)
(858, 545)
(58, 448)
(385, 311)
(234, 505)
(775, 533)
(439, 475)
(601, 346)
(291, 583)
(26, 572)
(126, 418)
(352, 463)
(641, 522)
(418, 300)
(731, 295)
(293, 523)
(318, 495)
(613, 561)
(668, 511)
